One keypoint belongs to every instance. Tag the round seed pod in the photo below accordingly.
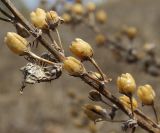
(73, 66)
(126, 84)
(81, 49)
(146, 94)
(16, 43)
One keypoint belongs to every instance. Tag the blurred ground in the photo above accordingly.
(44, 108)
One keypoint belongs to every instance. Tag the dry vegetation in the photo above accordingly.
(60, 105)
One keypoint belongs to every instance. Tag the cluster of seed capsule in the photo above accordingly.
(75, 67)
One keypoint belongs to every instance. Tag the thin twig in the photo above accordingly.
(155, 113)
(59, 40)
(39, 58)
(97, 67)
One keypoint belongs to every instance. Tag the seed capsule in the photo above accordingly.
(91, 7)
(101, 16)
(53, 19)
(146, 94)
(16, 43)
(100, 39)
(67, 18)
(81, 49)
(38, 18)
(77, 9)
(126, 84)
(127, 103)
(73, 66)
(131, 31)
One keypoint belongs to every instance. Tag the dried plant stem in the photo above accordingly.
(155, 113)
(50, 36)
(39, 58)
(4, 19)
(59, 40)
(6, 14)
(133, 130)
(91, 59)
(131, 101)
(142, 120)
(106, 103)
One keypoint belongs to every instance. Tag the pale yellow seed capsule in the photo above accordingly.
(100, 39)
(131, 31)
(81, 49)
(52, 15)
(126, 84)
(101, 16)
(127, 103)
(77, 9)
(38, 18)
(146, 94)
(91, 6)
(67, 18)
(73, 66)
(16, 43)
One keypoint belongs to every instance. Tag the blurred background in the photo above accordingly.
(56, 107)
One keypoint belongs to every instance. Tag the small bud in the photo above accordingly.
(38, 18)
(81, 49)
(131, 32)
(67, 18)
(95, 96)
(100, 39)
(127, 103)
(146, 94)
(16, 43)
(126, 84)
(101, 16)
(149, 47)
(73, 66)
(91, 6)
(95, 112)
(77, 9)
(53, 19)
